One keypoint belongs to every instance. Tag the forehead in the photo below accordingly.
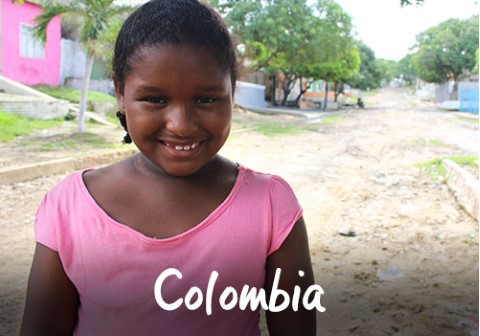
(176, 63)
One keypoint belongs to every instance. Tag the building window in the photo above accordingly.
(30, 46)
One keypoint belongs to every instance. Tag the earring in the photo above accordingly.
(123, 122)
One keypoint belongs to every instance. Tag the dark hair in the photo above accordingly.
(172, 22)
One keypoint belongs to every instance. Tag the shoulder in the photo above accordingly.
(106, 178)
(69, 186)
(274, 183)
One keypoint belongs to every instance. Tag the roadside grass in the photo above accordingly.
(276, 128)
(73, 95)
(12, 125)
(331, 119)
(432, 142)
(467, 119)
(369, 93)
(436, 169)
(281, 125)
(73, 141)
(108, 116)
(268, 128)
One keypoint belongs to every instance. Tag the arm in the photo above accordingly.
(291, 257)
(52, 300)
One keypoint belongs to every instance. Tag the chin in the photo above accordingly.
(181, 171)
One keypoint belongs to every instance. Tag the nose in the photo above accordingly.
(181, 120)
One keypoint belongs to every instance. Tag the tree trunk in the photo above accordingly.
(338, 90)
(287, 88)
(326, 96)
(302, 91)
(453, 95)
(274, 89)
(84, 92)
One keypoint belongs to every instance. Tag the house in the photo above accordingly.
(23, 58)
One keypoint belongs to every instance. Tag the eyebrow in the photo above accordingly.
(149, 88)
(206, 88)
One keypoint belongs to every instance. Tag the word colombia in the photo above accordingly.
(248, 295)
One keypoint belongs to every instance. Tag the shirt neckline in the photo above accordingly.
(99, 211)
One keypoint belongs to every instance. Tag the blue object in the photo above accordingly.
(468, 100)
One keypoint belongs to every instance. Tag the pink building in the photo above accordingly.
(23, 58)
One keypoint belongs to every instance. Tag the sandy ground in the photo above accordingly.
(356, 177)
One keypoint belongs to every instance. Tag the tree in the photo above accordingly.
(273, 35)
(94, 17)
(369, 75)
(337, 57)
(475, 68)
(411, 2)
(406, 70)
(447, 51)
(294, 39)
(388, 69)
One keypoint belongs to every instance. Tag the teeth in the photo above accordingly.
(185, 148)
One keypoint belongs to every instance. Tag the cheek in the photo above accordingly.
(141, 125)
(220, 124)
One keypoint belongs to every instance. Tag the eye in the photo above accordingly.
(206, 100)
(155, 100)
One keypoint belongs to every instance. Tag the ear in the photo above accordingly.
(119, 96)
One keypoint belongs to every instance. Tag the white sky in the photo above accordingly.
(389, 30)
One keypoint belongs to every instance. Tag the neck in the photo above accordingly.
(147, 168)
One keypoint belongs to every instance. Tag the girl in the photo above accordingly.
(105, 236)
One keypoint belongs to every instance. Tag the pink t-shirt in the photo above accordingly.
(114, 268)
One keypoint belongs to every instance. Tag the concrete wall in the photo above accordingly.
(33, 107)
(27, 70)
(464, 186)
(25, 101)
(105, 86)
(73, 60)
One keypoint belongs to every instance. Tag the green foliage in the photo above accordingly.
(73, 95)
(12, 125)
(95, 19)
(475, 68)
(406, 70)
(370, 75)
(335, 55)
(388, 69)
(271, 32)
(447, 50)
(304, 42)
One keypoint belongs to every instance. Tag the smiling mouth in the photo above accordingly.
(182, 147)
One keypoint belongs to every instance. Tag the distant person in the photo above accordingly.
(360, 103)
(139, 247)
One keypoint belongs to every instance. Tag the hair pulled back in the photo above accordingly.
(172, 22)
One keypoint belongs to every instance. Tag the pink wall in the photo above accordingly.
(22, 69)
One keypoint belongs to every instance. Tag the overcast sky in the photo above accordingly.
(390, 30)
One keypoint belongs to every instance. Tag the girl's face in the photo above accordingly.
(178, 105)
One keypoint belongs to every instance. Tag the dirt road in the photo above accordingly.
(392, 250)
